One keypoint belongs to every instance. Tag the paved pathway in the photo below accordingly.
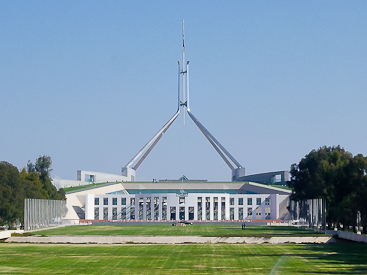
(165, 239)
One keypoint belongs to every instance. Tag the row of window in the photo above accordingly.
(129, 213)
(182, 201)
(114, 201)
(249, 201)
(114, 213)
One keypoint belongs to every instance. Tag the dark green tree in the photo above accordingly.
(335, 175)
(32, 182)
(11, 194)
(43, 168)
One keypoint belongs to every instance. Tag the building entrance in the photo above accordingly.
(173, 213)
(182, 213)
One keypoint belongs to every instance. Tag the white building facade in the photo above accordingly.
(183, 206)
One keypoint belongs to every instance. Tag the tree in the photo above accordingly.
(32, 185)
(33, 182)
(11, 193)
(43, 168)
(335, 175)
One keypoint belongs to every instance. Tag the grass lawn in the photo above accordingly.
(183, 259)
(81, 187)
(205, 230)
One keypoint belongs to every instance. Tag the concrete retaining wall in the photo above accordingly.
(165, 239)
(352, 236)
(7, 233)
(348, 236)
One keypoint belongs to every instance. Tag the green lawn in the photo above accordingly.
(183, 259)
(206, 230)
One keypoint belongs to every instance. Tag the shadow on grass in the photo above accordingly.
(267, 231)
(344, 253)
(341, 258)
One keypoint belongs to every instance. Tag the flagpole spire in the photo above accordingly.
(183, 72)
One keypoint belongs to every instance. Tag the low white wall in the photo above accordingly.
(7, 233)
(100, 177)
(348, 235)
(61, 183)
(352, 236)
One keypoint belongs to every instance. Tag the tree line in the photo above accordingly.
(339, 177)
(33, 181)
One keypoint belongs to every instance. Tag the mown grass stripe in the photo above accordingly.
(187, 258)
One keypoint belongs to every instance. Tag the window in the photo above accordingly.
(148, 207)
(258, 201)
(267, 201)
(96, 201)
(105, 213)
(182, 213)
(114, 201)
(249, 212)
(140, 209)
(240, 213)
(249, 201)
(191, 213)
(164, 208)
(123, 201)
(231, 201)
(216, 208)
(207, 208)
(123, 213)
(231, 213)
(240, 201)
(114, 213)
(105, 201)
(200, 208)
(96, 213)
(132, 201)
(173, 212)
(156, 208)
(181, 200)
(132, 213)
(223, 209)
(267, 213)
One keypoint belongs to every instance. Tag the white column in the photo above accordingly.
(254, 207)
(235, 206)
(136, 207)
(227, 208)
(203, 203)
(211, 208)
(263, 208)
(196, 208)
(152, 208)
(160, 208)
(219, 208)
(274, 206)
(89, 207)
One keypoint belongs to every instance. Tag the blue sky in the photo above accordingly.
(90, 82)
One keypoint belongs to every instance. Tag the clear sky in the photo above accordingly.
(90, 82)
